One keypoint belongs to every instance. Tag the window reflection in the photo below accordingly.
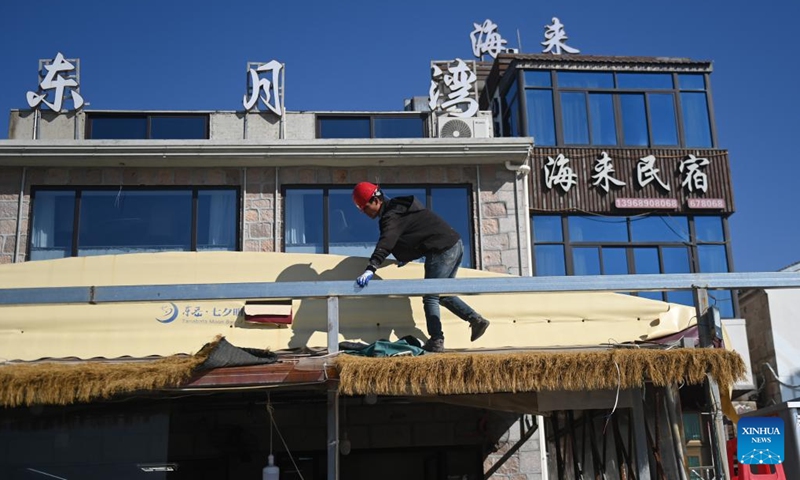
(648, 81)
(658, 244)
(598, 229)
(696, 126)
(352, 233)
(541, 123)
(114, 221)
(585, 79)
(663, 123)
(634, 120)
(573, 110)
(604, 124)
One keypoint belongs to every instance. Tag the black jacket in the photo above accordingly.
(410, 231)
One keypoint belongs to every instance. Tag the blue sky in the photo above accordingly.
(370, 55)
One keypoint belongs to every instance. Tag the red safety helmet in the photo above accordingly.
(363, 193)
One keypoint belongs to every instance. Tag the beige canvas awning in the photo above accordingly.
(164, 328)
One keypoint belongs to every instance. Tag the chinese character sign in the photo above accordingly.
(646, 172)
(458, 99)
(555, 37)
(558, 172)
(60, 82)
(603, 175)
(486, 39)
(264, 82)
(694, 177)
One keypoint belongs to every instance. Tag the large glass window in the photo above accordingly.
(662, 119)
(96, 221)
(370, 126)
(119, 126)
(324, 219)
(634, 120)
(696, 124)
(573, 113)
(541, 123)
(603, 245)
(615, 108)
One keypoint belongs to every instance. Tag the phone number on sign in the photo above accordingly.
(716, 203)
(646, 203)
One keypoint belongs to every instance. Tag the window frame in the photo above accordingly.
(148, 117)
(78, 191)
(692, 246)
(428, 187)
(372, 117)
(616, 91)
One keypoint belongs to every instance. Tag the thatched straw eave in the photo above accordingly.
(459, 373)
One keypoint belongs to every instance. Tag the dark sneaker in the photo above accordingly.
(434, 345)
(478, 327)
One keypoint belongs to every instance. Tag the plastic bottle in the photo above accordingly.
(271, 471)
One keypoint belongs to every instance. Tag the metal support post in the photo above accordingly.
(640, 435)
(333, 325)
(706, 331)
(333, 431)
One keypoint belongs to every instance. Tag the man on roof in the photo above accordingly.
(410, 231)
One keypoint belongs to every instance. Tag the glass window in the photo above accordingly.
(352, 233)
(344, 127)
(585, 80)
(586, 261)
(398, 127)
(645, 261)
(663, 124)
(178, 127)
(634, 120)
(573, 113)
(304, 221)
(117, 128)
(452, 205)
(537, 78)
(615, 261)
(648, 81)
(215, 209)
(135, 127)
(696, 126)
(598, 229)
(712, 258)
(676, 260)
(113, 222)
(691, 81)
(547, 228)
(541, 122)
(53, 223)
(659, 229)
(550, 260)
(604, 124)
(723, 300)
(709, 229)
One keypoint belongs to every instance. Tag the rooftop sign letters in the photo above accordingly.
(265, 81)
(453, 92)
(486, 39)
(555, 38)
(61, 80)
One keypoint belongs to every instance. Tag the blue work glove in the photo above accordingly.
(365, 277)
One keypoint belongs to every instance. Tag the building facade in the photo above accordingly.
(575, 165)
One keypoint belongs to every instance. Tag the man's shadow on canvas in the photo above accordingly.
(366, 319)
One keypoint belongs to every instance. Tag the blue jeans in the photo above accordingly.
(444, 265)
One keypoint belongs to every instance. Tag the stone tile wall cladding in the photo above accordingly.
(498, 226)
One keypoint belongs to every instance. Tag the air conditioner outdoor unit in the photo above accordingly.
(474, 127)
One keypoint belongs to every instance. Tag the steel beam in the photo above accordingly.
(416, 287)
